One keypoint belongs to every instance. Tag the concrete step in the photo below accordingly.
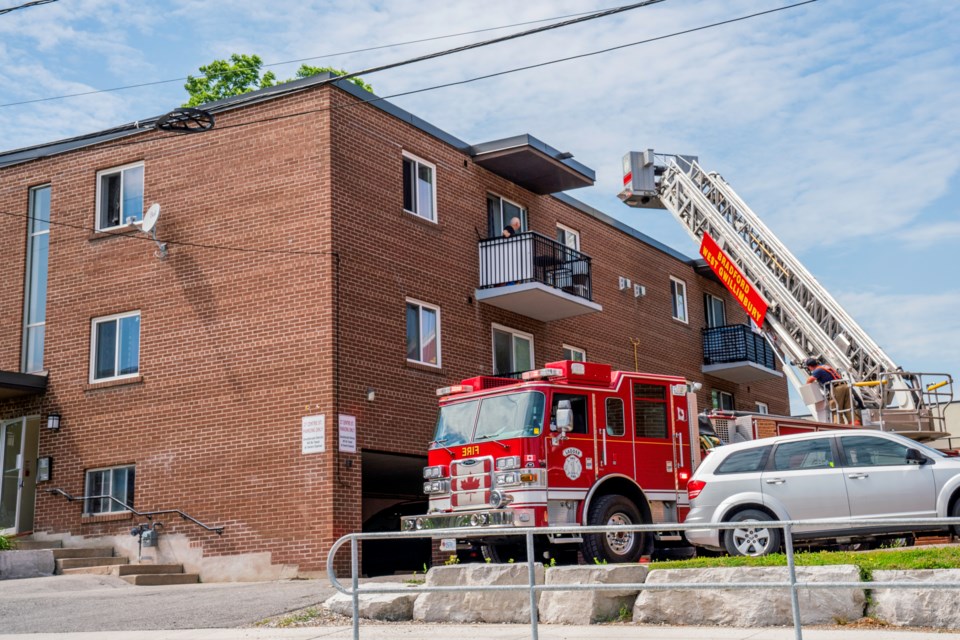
(83, 552)
(77, 563)
(159, 579)
(29, 544)
(145, 569)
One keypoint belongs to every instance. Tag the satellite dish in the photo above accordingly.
(150, 217)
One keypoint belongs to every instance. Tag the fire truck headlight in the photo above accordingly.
(508, 478)
(435, 486)
(474, 520)
(508, 462)
(419, 523)
(433, 473)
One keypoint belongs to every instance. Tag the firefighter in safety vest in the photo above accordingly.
(830, 381)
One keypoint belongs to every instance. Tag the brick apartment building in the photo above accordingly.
(325, 257)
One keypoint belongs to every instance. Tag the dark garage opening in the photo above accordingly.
(392, 487)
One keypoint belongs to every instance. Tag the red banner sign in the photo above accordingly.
(736, 283)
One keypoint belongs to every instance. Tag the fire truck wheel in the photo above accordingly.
(504, 553)
(613, 547)
(752, 539)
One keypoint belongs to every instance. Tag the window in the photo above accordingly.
(419, 188)
(722, 400)
(512, 350)
(423, 333)
(806, 454)
(866, 451)
(499, 214)
(615, 421)
(650, 410)
(763, 408)
(568, 237)
(578, 407)
(119, 196)
(116, 347)
(573, 353)
(116, 482)
(35, 294)
(748, 461)
(678, 296)
(716, 311)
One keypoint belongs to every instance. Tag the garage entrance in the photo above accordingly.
(392, 486)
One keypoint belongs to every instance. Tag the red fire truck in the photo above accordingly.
(574, 443)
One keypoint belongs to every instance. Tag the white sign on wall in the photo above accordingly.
(348, 434)
(314, 434)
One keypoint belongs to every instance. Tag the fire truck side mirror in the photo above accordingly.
(564, 417)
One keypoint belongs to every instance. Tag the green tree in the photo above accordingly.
(241, 74)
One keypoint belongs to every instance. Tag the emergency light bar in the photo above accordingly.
(539, 374)
(457, 388)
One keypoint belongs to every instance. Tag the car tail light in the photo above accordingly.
(694, 487)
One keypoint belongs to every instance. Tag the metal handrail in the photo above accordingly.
(529, 532)
(143, 514)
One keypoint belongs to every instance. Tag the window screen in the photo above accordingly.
(650, 410)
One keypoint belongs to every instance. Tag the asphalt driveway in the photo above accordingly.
(106, 603)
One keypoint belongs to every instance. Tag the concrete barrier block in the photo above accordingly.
(395, 607)
(477, 606)
(938, 608)
(749, 607)
(586, 607)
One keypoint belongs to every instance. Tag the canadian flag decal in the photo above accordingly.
(470, 483)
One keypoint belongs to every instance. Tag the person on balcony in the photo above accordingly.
(512, 229)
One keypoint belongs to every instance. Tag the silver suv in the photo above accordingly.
(839, 475)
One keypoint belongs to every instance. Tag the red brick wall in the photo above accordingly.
(236, 347)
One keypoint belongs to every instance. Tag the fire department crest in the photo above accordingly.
(572, 466)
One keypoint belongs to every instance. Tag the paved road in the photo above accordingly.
(105, 603)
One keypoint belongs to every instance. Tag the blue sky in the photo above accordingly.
(837, 122)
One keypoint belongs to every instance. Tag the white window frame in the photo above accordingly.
(720, 393)
(93, 346)
(30, 285)
(763, 408)
(573, 232)
(572, 350)
(709, 301)
(436, 310)
(109, 492)
(673, 297)
(121, 170)
(416, 185)
(514, 333)
(524, 215)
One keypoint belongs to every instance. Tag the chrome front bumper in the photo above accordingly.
(474, 520)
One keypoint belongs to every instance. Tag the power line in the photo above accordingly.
(448, 84)
(277, 64)
(182, 243)
(25, 5)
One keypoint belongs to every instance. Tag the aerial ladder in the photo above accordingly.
(802, 320)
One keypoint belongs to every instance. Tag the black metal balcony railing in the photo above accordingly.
(532, 257)
(736, 343)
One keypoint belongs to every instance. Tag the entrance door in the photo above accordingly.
(18, 462)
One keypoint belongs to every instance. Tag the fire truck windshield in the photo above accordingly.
(508, 416)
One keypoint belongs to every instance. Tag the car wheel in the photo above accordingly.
(955, 513)
(751, 539)
(626, 546)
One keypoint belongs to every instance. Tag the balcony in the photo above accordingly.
(535, 276)
(738, 354)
